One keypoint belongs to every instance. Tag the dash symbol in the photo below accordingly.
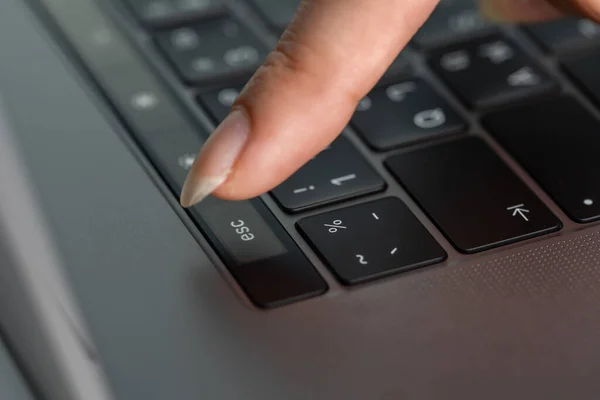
(375, 216)
(394, 251)
(304, 189)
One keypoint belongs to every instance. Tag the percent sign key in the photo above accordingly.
(335, 226)
(371, 240)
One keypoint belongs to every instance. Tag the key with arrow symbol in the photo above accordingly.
(519, 210)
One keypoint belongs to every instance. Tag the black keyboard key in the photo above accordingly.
(491, 71)
(258, 252)
(371, 240)
(169, 13)
(558, 143)
(338, 173)
(452, 21)
(277, 13)
(219, 101)
(214, 50)
(404, 113)
(585, 71)
(474, 198)
(566, 35)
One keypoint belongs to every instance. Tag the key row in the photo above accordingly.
(485, 72)
(452, 21)
(226, 49)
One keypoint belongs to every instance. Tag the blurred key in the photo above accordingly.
(277, 13)
(491, 71)
(585, 70)
(213, 50)
(452, 21)
(169, 13)
(566, 35)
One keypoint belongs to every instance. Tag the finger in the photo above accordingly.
(539, 10)
(333, 53)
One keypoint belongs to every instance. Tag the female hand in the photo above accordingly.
(330, 57)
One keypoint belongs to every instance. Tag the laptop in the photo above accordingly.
(445, 246)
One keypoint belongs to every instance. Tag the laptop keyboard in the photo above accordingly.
(410, 126)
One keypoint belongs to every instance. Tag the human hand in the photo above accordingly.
(298, 102)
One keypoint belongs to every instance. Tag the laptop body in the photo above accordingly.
(139, 301)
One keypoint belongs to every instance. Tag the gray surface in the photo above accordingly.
(518, 323)
(12, 385)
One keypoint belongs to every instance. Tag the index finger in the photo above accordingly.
(329, 58)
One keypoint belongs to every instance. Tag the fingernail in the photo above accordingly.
(518, 10)
(216, 159)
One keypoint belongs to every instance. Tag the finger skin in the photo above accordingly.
(333, 53)
(539, 10)
(584, 8)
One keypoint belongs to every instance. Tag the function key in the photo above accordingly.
(371, 240)
(214, 50)
(474, 198)
(566, 35)
(558, 143)
(169, 13)
(404, 113)
(452, 21)
(585, 72)
(491, 71)
(277, 13)
(338, 173)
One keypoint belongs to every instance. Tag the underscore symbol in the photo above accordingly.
(519, 210)
(337, 224)
(339, 181)
(361, 259)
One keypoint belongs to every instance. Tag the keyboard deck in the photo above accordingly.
(467, 117)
